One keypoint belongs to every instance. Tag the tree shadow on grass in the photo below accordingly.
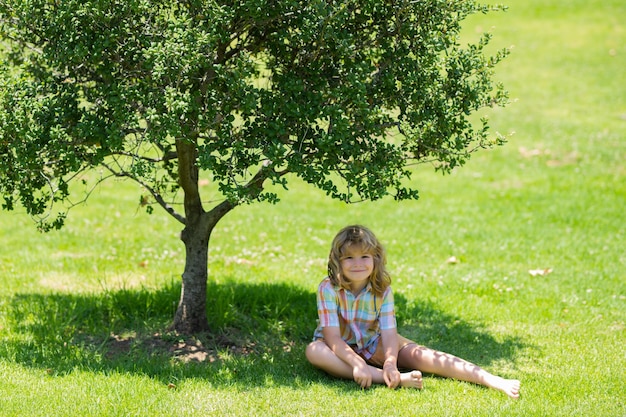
(259, 333)
(423, 323)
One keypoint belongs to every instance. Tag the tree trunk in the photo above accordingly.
(191, 314)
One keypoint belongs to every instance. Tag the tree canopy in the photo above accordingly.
(347, 95)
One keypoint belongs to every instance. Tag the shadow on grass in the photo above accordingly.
(422, 322)
(258, 338)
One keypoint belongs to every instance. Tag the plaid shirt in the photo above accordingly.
(360, 317)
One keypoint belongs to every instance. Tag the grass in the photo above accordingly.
(82, 311)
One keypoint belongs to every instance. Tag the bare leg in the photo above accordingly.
(444, 364)
(320, 355)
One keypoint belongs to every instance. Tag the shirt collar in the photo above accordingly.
(366, 289)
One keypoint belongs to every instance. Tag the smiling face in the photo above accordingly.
(357, 266)
(356, 259)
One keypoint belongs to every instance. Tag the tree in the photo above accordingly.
(346, 95)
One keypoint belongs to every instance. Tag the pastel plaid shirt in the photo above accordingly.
(360, 317)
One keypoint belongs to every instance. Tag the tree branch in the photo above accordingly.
(167, 157)
(159, 199)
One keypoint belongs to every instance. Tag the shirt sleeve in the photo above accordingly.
(327, 305)
(387, 317)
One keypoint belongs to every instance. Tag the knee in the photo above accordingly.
(313, 351)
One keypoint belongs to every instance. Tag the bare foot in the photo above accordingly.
(411, 379)
(510, 387)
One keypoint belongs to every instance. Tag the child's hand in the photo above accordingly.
(362, 375)
(391, 375)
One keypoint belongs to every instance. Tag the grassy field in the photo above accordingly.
(83, 310)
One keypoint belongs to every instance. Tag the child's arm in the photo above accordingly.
(360, 370)
(390, 367)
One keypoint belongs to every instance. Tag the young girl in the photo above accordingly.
(356, 337)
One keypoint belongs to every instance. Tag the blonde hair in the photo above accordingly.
(362, 237)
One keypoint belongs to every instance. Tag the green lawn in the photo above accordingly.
(83, 310)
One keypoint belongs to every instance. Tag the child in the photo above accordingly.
(356, 337)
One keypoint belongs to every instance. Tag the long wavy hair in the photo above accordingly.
(361, 236)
